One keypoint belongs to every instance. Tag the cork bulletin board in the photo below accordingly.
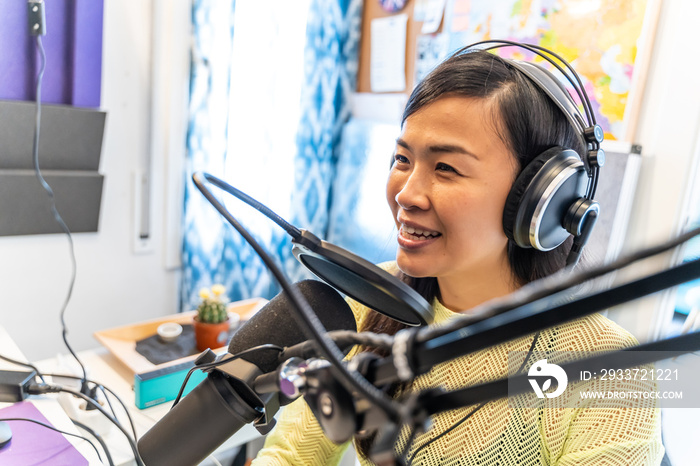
(372, 9)
(610, 45)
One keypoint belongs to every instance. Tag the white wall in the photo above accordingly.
(668, 132)
(114, 285)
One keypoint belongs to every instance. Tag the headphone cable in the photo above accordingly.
(50, 427)
(477, 408)
(54, 210)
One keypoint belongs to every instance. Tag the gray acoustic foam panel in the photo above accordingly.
(70, 137)
(70, 146)
(25, 207)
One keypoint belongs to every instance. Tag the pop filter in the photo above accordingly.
(348, 273)
(361, 280)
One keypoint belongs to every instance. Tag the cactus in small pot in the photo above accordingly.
(211, 323)
(212, 308)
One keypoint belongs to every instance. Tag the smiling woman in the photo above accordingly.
(480, 136)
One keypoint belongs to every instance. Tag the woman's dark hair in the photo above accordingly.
(527, 121)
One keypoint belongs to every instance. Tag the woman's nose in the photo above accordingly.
(414, 193)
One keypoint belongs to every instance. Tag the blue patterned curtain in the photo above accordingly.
(330, 68)
(206, 236)
(359, 188)
(212, 251)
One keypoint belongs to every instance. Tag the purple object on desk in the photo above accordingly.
(35, 444)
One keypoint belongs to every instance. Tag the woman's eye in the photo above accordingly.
(444, 168)
(400, 158)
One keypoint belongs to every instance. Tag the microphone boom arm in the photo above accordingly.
(301, 307)
(525, 320)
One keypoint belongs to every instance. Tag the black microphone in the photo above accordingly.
(224, 402)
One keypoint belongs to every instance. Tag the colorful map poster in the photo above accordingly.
(607, 41)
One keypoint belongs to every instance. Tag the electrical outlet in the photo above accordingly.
(141, 222)
(37, 17)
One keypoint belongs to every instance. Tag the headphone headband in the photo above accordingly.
(553, 88)
(568, 71)
(591, 134)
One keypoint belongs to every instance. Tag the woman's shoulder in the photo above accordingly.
(389, 266)
(591, 333)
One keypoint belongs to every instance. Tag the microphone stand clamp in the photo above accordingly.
(331, 403)
(240, 376)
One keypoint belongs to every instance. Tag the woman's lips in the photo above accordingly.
(412, 238)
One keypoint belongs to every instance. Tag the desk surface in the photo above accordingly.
(47, 404)
(102, 367)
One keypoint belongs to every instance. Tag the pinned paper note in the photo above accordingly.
(420, 7)
(432, 17)
(460, 15)
(431, 49)
(388, 59)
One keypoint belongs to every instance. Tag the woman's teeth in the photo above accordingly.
(416, 234)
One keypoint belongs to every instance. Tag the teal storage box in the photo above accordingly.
(161, 385)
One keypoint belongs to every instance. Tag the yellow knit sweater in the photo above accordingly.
(497, 434)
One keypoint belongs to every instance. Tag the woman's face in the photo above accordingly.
(447, 189)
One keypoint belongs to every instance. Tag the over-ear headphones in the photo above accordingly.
(552, 197)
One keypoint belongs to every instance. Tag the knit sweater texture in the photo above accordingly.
(561, 431)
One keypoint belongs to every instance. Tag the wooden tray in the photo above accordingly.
(121, 341)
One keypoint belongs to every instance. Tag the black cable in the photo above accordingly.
(461, 421)
(52, 200)
(42, 389)
(102, 387)
(96, 405)
(344, 339)
(595, 176)
(293, 231)
(445, 432)
(98, 385)
(407, 447)
(98, 438)
(25, 364)
(54, 429)
(109, 403)
(211, 365)
(104, 390)
(312, 325)
(126, 410)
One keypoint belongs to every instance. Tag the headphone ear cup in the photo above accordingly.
(541, 195)
(517, 192)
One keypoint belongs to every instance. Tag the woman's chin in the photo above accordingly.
(411, 268)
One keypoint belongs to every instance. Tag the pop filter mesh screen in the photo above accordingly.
(362, 290)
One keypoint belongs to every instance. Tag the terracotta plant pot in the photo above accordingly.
(210, 335)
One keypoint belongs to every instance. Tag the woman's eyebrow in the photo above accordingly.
(402, 143)
(440, 148)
